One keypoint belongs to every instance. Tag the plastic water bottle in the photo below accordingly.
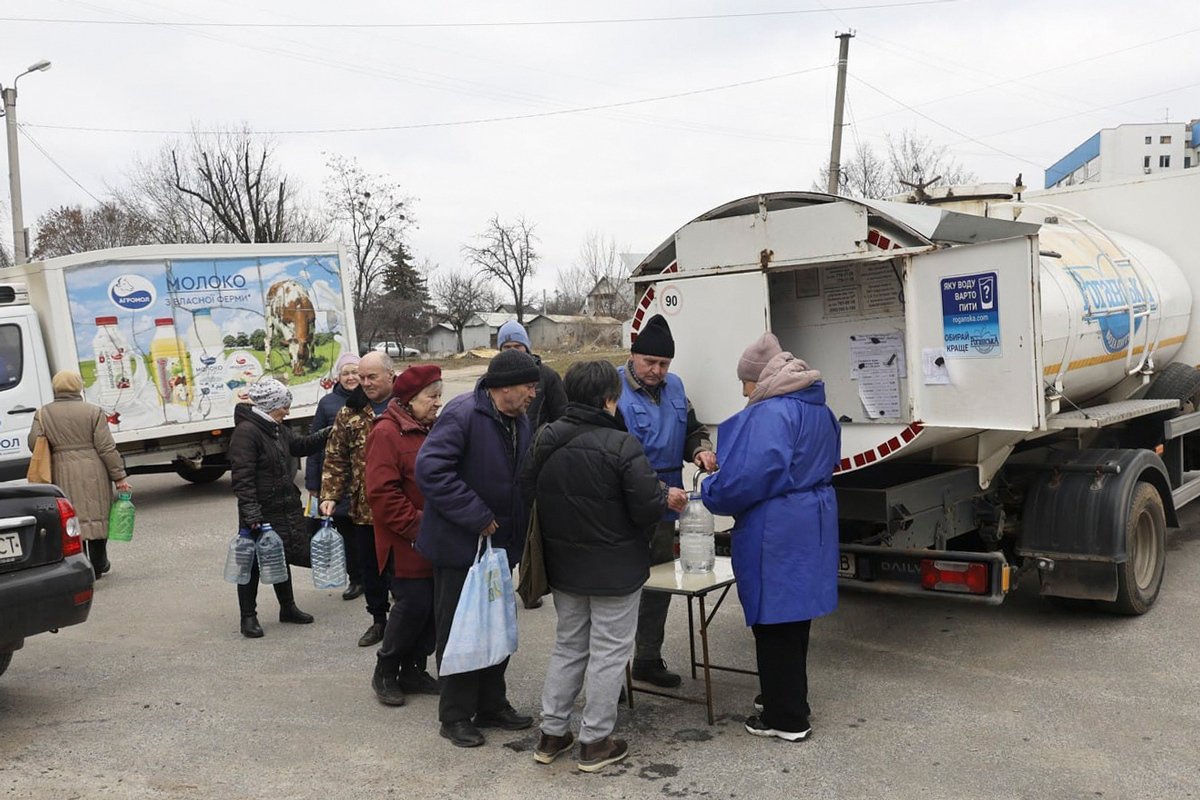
(328, 558)
(240, 559)
(272, 562)
(697, 544)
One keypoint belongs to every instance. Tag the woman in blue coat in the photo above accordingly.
(777, 459)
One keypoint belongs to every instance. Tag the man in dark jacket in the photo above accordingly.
(598, 501)
(467, 470)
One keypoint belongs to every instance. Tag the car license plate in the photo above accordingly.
(10, 545)
(846, 565)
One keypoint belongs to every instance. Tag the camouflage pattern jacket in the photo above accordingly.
(346, 458)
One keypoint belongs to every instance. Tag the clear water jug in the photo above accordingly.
(328, 558)
(240, 559)
(272, 562)
(697, 544)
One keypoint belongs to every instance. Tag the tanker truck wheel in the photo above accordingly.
(205, 474)
(1176, 382)
(1140, 577)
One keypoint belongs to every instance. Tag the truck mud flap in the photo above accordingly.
(945, 574)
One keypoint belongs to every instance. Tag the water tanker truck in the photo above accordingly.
(1015, 382)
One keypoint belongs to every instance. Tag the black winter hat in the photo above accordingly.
(510, 368)
(655, 339)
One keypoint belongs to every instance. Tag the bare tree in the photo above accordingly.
(457, 296)
(75, 229)
(607, 273)
(372, 216)
(506, 254)
(220, 187)
(911, 159)
(570, 290)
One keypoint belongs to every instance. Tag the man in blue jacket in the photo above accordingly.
(656, 410)
(467, 469)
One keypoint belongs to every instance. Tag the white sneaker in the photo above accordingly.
(755, 727)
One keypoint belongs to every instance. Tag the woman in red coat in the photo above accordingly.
(396, 503)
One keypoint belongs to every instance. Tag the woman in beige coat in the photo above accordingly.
(84, 462)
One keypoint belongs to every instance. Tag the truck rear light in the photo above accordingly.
(83, 597)
(954, 576)
(72, 545)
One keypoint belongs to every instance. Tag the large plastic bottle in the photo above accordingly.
(272, 562)
(171, 365)
(206, 352)
(240, 559)
(697, 542)
(114, 364)
(328, 558)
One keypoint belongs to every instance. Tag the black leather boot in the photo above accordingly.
(290, 613)
(387, 685)
(250, 627)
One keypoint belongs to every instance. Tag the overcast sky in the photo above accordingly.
(1008, 85)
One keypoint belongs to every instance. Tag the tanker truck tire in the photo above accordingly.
(206, 474)
(1176, 382)
(1139, 578)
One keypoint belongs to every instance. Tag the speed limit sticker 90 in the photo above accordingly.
(669, 300)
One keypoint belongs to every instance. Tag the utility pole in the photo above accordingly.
(20, 256)
(835, 152)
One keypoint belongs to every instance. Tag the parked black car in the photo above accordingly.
(45, 578)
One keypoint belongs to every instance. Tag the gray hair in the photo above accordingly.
(385, 360)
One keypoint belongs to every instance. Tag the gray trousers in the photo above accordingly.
(652, 616)
(592, 644)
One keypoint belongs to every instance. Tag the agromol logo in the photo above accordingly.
(131, 292)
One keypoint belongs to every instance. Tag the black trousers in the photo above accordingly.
(783, 673)
(468, 693)
(345, 526)
(248, 592)
(375, 586)
(410, 635)
(97, 553)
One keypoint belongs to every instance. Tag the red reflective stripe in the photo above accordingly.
(860, 460)
(884, 449)
(871, 457)
(873, 237)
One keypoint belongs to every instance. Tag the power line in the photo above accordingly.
(452, 123)
(956, 132)
(501, 24)
(50, 158)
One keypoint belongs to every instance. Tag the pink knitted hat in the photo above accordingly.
(756, 356)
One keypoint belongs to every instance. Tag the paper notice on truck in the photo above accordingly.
(879, 391)
(179, 340)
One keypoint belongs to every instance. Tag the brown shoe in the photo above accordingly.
(598, 755)
(551, 747)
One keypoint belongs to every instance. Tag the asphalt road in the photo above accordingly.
(159, 696)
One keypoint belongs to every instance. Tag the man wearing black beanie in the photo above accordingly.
(656, 411)
(467, 470)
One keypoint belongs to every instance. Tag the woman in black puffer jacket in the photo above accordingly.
(262, 460)
(598, 500)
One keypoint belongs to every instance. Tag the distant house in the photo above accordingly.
(511, 310)
(572, 331)
(441, 340)
(600, 300)
(482, 328)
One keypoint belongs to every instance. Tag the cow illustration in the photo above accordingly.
(291, 320)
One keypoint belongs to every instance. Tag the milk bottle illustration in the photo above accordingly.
(115, 364)
(206, 350)
(170, 365)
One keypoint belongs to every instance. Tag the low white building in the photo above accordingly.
(1128, 151)
(441, 340)
(481, 329)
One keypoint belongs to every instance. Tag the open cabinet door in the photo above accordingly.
(713, 319)
(974, 327)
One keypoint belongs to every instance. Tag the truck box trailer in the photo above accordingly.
(1015, 383)
(167, 339)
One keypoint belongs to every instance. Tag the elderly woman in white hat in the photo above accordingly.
(262, 459)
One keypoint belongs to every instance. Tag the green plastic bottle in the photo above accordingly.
(120, 518)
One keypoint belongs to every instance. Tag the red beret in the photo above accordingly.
(408, 384)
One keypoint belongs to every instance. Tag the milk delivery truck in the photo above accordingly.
(1016, 384)
(167, 339)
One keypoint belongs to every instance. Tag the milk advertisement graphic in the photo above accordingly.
(178, 341)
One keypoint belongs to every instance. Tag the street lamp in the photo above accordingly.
(14, 166)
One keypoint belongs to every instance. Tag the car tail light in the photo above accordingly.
(954, 576)
(83, 597)
(72, 545)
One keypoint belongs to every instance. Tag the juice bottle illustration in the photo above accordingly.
(207, 355)
(170, 364)
(115, 365)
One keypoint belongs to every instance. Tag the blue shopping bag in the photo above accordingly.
(484, 629)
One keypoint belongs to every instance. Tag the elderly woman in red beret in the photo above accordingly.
(396, 504)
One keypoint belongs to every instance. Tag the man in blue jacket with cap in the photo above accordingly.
(467, 469)
(656, 410)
